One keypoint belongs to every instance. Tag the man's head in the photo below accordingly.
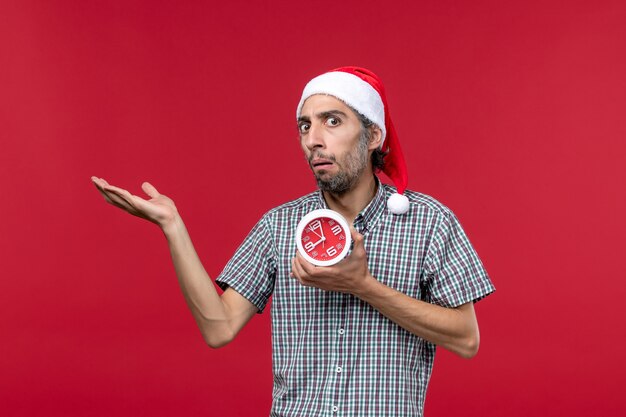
(362, 94)
(337, 142)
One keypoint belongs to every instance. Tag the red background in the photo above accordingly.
(510, 113)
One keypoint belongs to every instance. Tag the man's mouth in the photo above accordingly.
(321, 163)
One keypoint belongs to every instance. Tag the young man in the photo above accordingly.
(357, 338)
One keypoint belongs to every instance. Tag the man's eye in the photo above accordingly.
(332, 121)
(303, 127)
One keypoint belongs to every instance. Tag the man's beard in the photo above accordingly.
(353, 166)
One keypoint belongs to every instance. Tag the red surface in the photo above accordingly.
(510, 113)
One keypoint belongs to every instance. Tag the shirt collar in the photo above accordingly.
(369, 216)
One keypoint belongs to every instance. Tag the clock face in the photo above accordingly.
(323, 237)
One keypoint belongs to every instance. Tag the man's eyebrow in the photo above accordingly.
(323, 115)
(326, 114)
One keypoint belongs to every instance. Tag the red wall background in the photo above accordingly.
(510, 113)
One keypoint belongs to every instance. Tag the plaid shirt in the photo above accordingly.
(333, 354)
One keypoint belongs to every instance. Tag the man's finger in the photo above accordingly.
(294, 273)
(305, 265)
(120, 202)
(115, 195)
(98, 183)
(127, 196)
(105, 196)
(128, 201)
(357, 238)
(149, 189)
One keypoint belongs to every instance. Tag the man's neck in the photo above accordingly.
(350, 204)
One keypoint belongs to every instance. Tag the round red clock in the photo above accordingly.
(323, 237)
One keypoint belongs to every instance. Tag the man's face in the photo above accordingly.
(330, 135)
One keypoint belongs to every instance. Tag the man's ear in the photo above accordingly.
(376, 138)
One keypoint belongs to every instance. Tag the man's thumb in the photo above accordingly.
(357, 238)
(149, 189)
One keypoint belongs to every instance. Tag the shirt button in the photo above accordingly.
(341, 331)
(338, 369)
(335, 408)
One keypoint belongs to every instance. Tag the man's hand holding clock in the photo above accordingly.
(350, 275)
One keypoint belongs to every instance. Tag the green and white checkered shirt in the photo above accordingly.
(333, 354)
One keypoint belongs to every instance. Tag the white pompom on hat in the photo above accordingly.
(362, 90)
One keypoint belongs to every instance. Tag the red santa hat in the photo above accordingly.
(362, 90)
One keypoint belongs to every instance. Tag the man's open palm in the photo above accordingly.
(159, 209)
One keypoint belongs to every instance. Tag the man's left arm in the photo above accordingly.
(455, 329)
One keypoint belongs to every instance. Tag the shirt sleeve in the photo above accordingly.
(252, 269)
(454, 273)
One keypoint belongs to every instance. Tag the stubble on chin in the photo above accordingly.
(347, 176)
(338, 184)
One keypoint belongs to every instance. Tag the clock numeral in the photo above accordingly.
(309, 246)
(314, 225)
(306, 239)
(331, 251)
(339, 246)
(342, 237)
(336, 229)
(331, 222)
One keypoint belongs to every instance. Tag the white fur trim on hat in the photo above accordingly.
(353, 91)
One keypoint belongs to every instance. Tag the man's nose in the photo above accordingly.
(314, 138)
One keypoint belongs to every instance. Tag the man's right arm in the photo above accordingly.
(219, 318)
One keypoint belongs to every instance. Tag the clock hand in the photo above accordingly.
(319, 241)
(323, 237)
(317, 224)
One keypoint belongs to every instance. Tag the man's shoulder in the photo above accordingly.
(306, 202)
